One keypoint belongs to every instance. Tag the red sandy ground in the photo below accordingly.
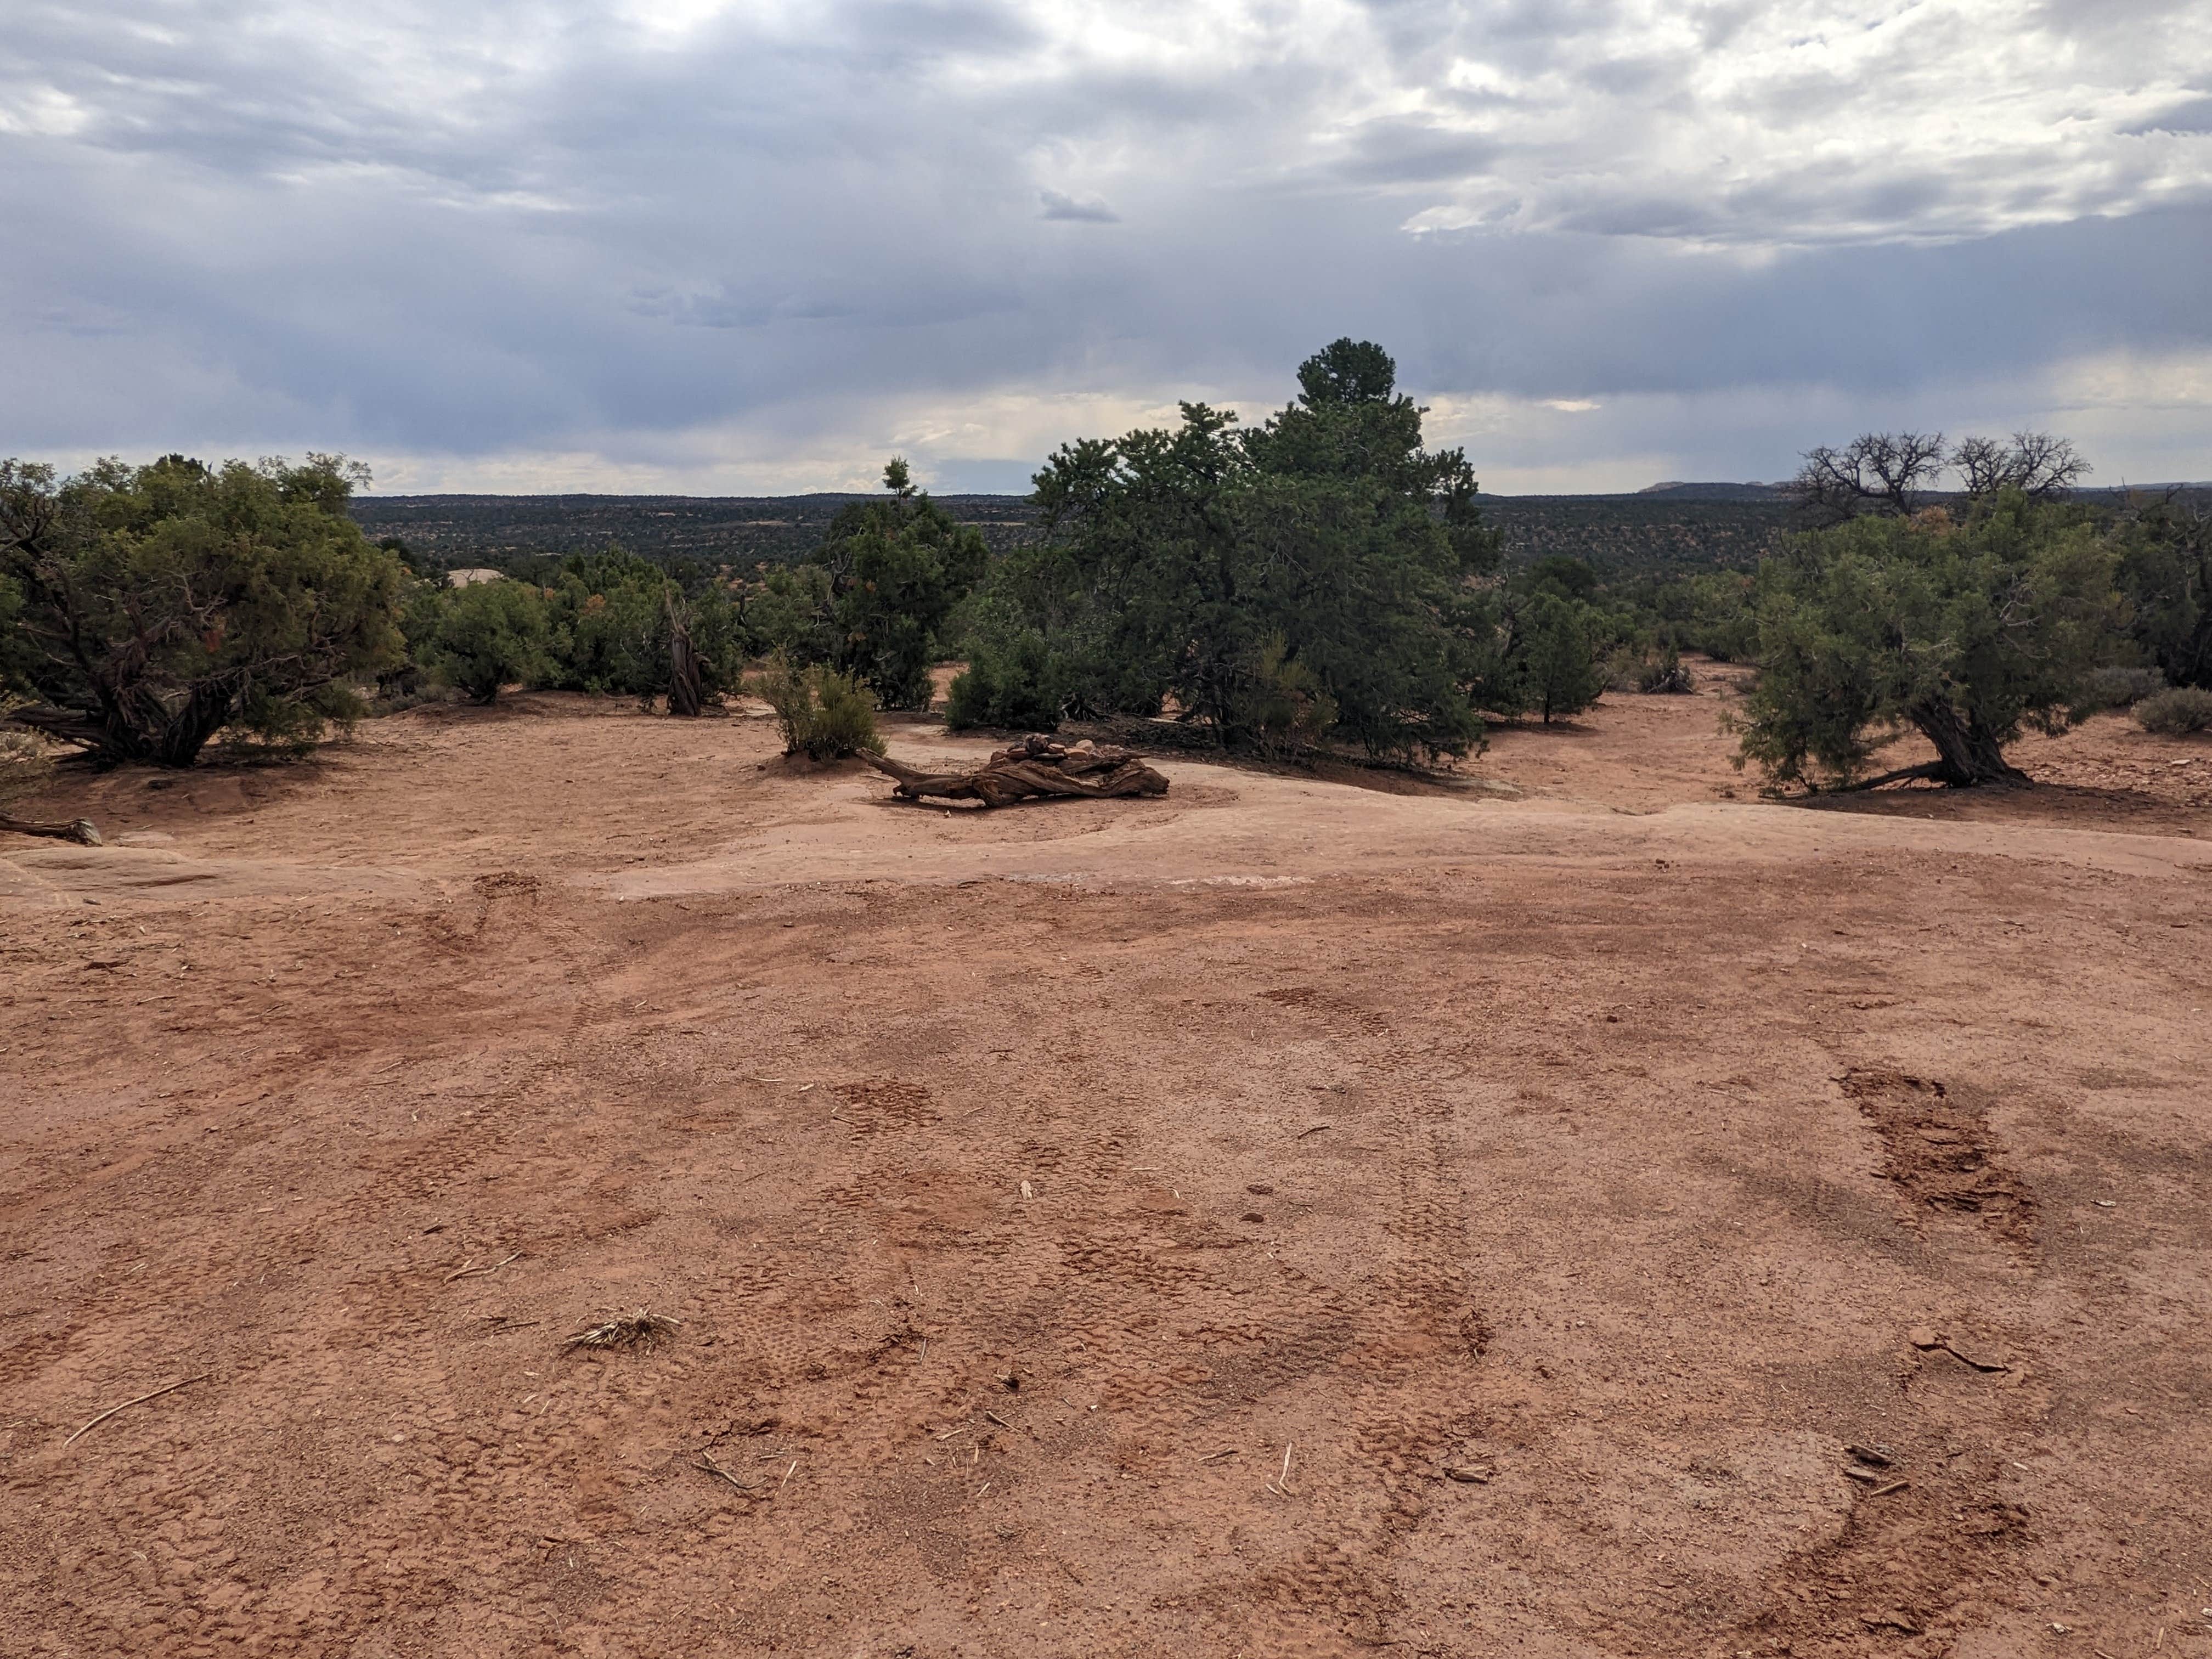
(1035, 1188)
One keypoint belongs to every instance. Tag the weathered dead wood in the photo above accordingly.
(1033, 768)
(79, 831)
(686, 694)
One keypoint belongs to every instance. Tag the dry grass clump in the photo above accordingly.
(625, 1331)
(26, 762)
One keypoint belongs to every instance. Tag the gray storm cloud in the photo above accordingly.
(686, 244)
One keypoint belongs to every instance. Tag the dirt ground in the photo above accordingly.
(1286, 1218)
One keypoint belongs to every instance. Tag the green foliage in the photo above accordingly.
(490, 634)
(894, 570)
(1556, 572)
(1013, 680)
(150, 607)
(824, 714)
(2166, 571)
(1281, 703)
(1966, 632)
(789, 610)
(1323, 559)
(612, 615)
(2176, 711)
(1558, 664)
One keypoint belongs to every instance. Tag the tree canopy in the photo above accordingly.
(894, 568)
(154, 605)
(1965, 631)
(1324, 559)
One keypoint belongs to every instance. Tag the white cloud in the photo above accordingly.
(755, 241)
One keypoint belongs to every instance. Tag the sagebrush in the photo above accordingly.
(824, 714)
(2176, 713)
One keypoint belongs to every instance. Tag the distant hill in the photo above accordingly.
(733, 529)
(1714, 492)
(1676, 526)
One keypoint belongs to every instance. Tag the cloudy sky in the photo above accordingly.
(756, 245)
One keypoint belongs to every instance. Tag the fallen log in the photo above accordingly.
(1033, 768)
(79, 831)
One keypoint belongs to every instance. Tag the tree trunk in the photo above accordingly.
(1966, 753)
(685, 695)
(1037, 766)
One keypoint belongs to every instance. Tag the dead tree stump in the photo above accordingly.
(1034, 769)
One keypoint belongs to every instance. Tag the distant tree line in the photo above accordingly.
(1321, 580)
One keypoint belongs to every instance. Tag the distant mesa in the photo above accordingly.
(1680, 491)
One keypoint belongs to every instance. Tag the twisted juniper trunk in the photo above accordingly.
(685, 691)
(1967, 752)
(135, 725)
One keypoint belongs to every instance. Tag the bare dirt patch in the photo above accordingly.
(1939, 1151)
(1279, 1218)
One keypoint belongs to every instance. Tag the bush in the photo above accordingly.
(488, 634)
(142, 610)
(2119, 688)
(824, 714)
(1012, 681)
(1652, 673)
(1666, 676)
(2173, 714)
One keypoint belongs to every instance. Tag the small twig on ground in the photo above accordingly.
(1985, 1366)
(1069, 1570)
(708, 1463)
(128, 1404)
(468, 1270)
(1215, 1458)
(1281, 1483)
(1316, 1130)
(788, 1474)
(1884, 1492)
(1000, 1420)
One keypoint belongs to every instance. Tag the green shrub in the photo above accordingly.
(2174, 713)
(824, 714)
(144, 609)
(1013, 681)
(489, 633)
(2119, 688)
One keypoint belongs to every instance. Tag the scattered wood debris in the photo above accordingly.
(469, 1269)
(1036, 768)
(625, 1331)
(80, 830)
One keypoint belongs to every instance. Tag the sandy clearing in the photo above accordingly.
(1609, 1143)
